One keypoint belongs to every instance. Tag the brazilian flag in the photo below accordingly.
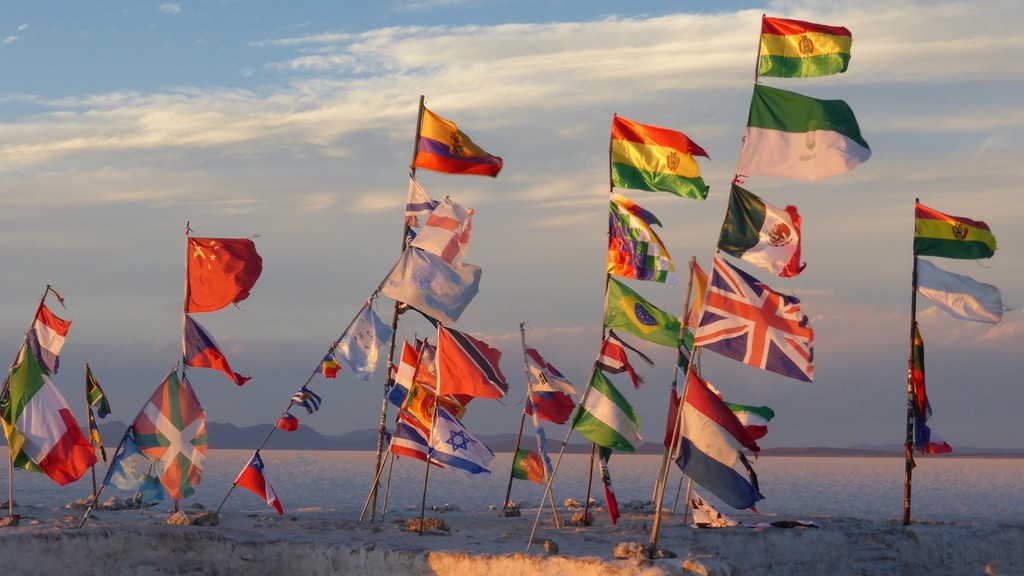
(626, 310)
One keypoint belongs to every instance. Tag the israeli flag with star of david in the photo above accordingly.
(452, 445)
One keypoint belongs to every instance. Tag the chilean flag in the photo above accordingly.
(201, 351)
(252, 478)
(711, 440)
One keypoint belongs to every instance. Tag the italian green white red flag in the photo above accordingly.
(606, 418)
(171, 430)
(761, 234)
(41, 431)
(790, 135)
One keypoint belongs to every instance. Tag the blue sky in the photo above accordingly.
(120, 122)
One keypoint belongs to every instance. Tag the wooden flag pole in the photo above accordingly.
(106, 478)
(389, 381)
(673, 446)
(908, 468)
(387, 486)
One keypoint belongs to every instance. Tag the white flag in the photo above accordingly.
(360, 344)
(446, 231)
(961, 296)
(431, 285)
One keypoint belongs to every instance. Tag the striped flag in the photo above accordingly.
(171, 429)
(307, 399)
(468, 366)
(606, 418)
(41, 431)
(442, 147)
(253, 479)
(613, 358)
(657, 159)
(418, 203)
(634, 250)
(938, 234)
(711, 439)
(798, 49)
(46, 338)
(452, 445)
(754, 418)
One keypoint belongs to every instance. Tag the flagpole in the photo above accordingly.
(757, 63)
(674, 443)
(7, 388)
(389, 382)
(387, 487)
(522, 420)
(590, 483)
(106, 478)
(430, 436)
(376, 478)
(91, 423)
(908, 468)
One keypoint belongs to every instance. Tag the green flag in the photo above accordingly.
(625, 309)
(606, 418)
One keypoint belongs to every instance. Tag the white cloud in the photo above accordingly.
(170, 8)
(9, 40)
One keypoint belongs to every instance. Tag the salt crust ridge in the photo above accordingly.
(322, 541)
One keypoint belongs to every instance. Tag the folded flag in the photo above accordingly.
(613, 359)
(528, 465)
(131, 470)
(761, 234)
(922, 408)
(453, 446)
(418, 203)
(543, 377)
(468, 366)
(420, 403)
(409, 440)
(442, 147)
(927, 441)
(747, 321)
(41, 431)
(307, 399)
(360, 345)
(657, 159)
(754, 418)
(201, 351)
(94, 434)
(94, 394)
(960, 296)
(288, 423)
(555, 407)
(171, 431)
(798, 49)
(707, 516)
(606, 418)
(221, 271)
(710, 441)
(611, 502)
(329, 367)
(46, 337)
(789, 135)
(429, 284)
(627, 310)
(938, 234)
(634, 250)
(253, 479)
(446, 232)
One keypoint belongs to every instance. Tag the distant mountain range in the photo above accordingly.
(231, 437)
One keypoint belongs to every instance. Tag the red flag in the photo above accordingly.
(466, 365)
(201, 351)
(221, 271)
(613, 359)
(611, 502)
(673, 415)
(251, 478)
(552, 406)
(288, 423)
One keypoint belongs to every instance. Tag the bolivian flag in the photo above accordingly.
(938, 234)
(797, 49)
(656, 159)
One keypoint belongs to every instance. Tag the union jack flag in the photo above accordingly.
(745, 320)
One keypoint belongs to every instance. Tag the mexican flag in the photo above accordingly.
(40, 428)
(790, 135)
(761, 234)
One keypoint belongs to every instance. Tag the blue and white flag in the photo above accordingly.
(307, 399)
(431, 285)
(133, 471)
(360, 345)
(418, 203)
(452, 445)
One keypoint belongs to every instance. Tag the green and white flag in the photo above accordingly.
(761, 234)
(606, 418)
(790, 135)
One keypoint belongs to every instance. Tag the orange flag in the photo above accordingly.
(221, 271)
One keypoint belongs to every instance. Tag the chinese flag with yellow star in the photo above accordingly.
(221, 271)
